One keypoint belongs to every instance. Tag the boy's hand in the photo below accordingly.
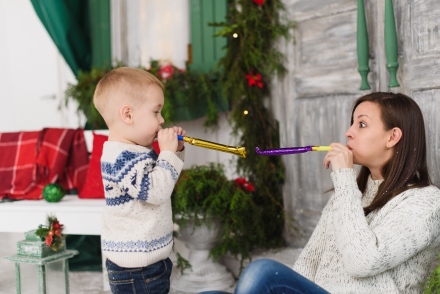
(181, 132)
(167, 139)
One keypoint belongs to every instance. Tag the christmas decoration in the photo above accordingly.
(251, 61)
(46, 260)
(254, 80)
(245, 184)
(258, 2)
(166, 71)
(53, 192)
(52, 233)
(188, 94)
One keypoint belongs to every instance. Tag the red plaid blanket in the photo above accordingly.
(31, 160)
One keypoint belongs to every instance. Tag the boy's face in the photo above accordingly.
(147, 116)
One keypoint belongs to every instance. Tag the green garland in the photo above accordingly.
(188, 95)
(204, 194)
(82, 93)
(248, 67)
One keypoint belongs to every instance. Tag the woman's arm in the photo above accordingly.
(308, 261)
(401, 229)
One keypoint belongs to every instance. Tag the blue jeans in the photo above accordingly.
(152, 279)
(264, 276)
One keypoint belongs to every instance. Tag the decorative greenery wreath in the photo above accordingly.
(252, 60)
(52, 233)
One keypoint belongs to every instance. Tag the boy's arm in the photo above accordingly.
(157, 183)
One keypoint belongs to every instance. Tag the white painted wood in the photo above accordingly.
(33, 76)
(79, 216)
(150, 29)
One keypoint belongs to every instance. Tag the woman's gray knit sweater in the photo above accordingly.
(389, 251)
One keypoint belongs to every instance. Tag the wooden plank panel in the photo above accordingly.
(221, 10)
(316, 121)
(208, 13)
(307, 9)
(327, 59)
(196, 34)
(425, 16)
(429, 102)
(423, 73)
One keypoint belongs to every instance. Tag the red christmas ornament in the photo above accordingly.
(245, 184)
(255, 80)
(240, 181)
(166, 71)
(56, 225)
(248, 186)
(49, 240)
(258, 2)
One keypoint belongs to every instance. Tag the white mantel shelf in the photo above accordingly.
(79, 216)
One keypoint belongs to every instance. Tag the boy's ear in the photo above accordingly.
(126, 114)
(396, 135)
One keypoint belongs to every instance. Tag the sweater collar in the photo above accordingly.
(370, 191)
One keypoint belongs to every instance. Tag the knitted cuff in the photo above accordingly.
(171, 158)
(344, 178)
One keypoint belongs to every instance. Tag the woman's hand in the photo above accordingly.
(339, 157)
(181, 132)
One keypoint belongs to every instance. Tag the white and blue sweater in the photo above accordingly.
(137, 225)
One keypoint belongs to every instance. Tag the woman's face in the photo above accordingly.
(367, 137)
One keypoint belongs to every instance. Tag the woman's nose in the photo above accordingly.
(349, 133)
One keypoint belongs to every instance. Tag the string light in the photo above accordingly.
(245, 112)
(235, 35)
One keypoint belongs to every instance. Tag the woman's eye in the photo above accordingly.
(362, 125)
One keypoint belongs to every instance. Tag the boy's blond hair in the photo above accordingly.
(122, 85)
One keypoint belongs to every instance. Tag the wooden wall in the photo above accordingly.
(313, 101)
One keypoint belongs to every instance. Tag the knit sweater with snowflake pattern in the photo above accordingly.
(137, 225)
(388, 251)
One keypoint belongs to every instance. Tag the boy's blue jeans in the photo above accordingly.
(153, 279)
(265, 276)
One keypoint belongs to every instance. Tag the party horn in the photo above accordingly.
(291, 150)
(240, 151)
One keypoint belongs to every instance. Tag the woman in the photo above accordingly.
(378, 233)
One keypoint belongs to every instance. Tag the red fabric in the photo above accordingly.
(31, 160)
(93, 187)
(156, 147)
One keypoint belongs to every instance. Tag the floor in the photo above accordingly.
(92, 282)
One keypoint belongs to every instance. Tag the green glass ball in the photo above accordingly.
(53, 192)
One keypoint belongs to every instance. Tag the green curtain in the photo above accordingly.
(66, 21)
(81, 31)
